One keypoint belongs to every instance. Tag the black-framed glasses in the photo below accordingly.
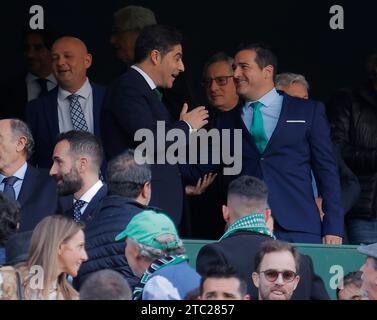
(220, 81)
(271, 275)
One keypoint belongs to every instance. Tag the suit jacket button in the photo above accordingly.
(261, 159)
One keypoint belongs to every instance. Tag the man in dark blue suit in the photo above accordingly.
(283, 140)
(76, 165)
(33, 188)
(74, 104)
(33, 82)
(134, 102)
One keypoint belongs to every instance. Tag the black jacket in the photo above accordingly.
(353, 117)
(239, 249)
(100, 232)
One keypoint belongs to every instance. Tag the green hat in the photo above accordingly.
(148, 225)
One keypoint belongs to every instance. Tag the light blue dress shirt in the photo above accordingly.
(20, 174)
(272, 103)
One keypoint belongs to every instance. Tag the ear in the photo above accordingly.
(21, 144)
(146, 190)
(88, 60)
(268, 72)
(226, 215)
(82, 164)
(155, 56)
(255, 278)
(60, 249)
(297, 280)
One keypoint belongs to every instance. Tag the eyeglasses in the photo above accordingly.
(220, 81)
(271, 275)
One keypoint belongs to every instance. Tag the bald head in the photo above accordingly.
(70, 61)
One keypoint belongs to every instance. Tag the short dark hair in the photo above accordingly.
(217, 57)
(83, 142)
(270, 246)
(224, 272)
(350, 278)
(20, 128)
(47, 34)
(249, 187)
(264, 55)
(156, 37)
(9, 217)
(125, 177)
(105, 285)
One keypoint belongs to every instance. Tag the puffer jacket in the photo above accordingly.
(100, 232)
(353, 118)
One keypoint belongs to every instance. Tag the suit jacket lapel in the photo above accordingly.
(97, 102)
(281, 121)
(246, 132)
(50, 106)
(28, 184)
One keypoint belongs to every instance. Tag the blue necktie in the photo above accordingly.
(77, 115)
(77, 206)
(257, 128)
(8, 187)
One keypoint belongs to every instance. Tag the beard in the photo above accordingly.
(69, 183)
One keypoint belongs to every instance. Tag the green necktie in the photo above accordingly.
(158, 93)
(257, 129)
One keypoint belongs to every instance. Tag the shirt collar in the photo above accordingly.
(31, 78)
(88, 195)
(20, 173)
(83, 92)
(147, 78)
(267, 99)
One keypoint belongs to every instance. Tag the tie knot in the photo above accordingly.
(256, 105)
(79, 204)
(73, 97)
(10, 181)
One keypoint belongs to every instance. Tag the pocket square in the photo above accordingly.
(296, 121)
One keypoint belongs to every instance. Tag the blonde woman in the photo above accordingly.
(57, 249)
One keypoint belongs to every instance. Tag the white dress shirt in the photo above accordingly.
(33, 87)
(89, 195)
(85, 94)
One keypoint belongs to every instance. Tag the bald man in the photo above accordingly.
(74, 104)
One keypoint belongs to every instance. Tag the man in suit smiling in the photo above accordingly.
(287, 142)
(135, 103)
(74, 105)
(31, 187)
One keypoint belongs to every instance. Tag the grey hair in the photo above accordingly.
(289, 78)
(21, 129)
(133, 18)
(151, 253)
(218, 57)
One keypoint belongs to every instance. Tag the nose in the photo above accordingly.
(279, 279)
(236, 72)
(52, 170)
(84, 256)
(181, 66)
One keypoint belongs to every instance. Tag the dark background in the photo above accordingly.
(298, 32)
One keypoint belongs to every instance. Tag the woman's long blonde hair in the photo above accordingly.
(47, 237)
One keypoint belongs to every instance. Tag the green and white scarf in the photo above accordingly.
(253, 222)
(156, 265)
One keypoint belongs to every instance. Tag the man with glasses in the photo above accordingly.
(218, 83)
(277, 265)
(246, 214)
